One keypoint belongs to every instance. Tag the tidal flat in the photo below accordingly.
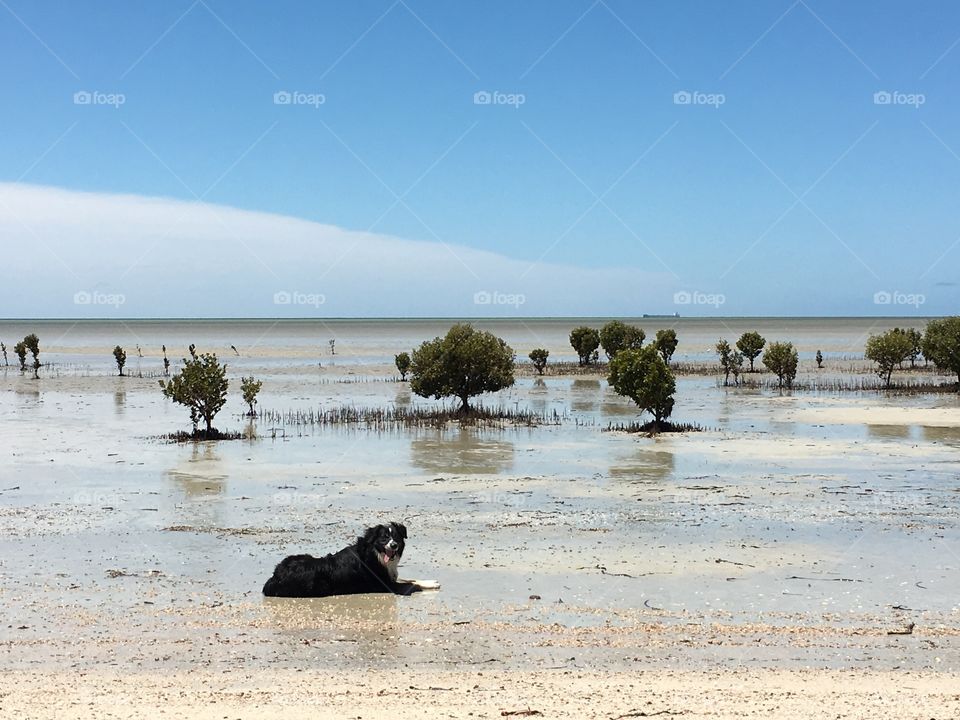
(797, 533)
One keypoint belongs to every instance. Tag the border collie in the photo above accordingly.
(368, 566)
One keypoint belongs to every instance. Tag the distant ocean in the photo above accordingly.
(376, 341)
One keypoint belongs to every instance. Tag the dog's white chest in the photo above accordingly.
(393, 567)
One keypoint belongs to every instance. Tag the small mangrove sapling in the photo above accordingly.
(617, 335)
(941, 344)
(585, 340)
(250, 386)
(666, 343)
(644, 377)
(725, 353)
(32, 343)
(736, 366)
(782, 360)
(121, 357)
(538, 356)
(888, 350)
(402, 361)
(751, 345)
(21, 350)
(915, 338)
(201, 386)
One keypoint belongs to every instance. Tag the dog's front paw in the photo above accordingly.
(428, 584)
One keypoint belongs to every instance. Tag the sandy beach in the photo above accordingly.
(403, 693)
(797, 557)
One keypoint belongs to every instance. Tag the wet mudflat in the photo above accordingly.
(793, 532)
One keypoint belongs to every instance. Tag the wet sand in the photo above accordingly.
(770, 565)
(405, 693)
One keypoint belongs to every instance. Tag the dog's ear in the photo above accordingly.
(370, 535)
(402, 528)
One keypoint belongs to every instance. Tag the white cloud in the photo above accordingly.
(170, 258)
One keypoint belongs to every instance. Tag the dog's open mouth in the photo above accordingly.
(387, 555)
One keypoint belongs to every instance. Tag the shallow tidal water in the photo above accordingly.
(786, 512)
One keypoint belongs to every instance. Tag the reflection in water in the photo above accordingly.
(461, 451)
(888, 432)
(584, 394)
(403, 398)
(30, 390)
(369, 620)
(644, 466)
(201, 473)
(119, 401)
(946, 435)
(730, 405)
(618, 409)
(783, 428)
(538, 395)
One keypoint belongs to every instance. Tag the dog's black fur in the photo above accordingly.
(367, 566)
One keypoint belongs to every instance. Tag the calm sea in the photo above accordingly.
(376, 341)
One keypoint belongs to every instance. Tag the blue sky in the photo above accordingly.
(784, 186)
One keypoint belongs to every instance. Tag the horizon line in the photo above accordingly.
(460, 318)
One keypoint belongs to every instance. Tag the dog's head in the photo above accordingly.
(387, 541)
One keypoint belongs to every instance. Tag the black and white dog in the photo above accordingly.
(368, 566)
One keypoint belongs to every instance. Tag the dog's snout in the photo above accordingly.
(392, 544)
